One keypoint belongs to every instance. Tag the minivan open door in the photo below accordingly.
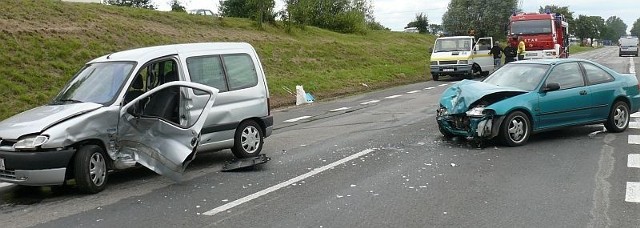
(155, 131)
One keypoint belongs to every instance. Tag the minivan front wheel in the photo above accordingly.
(90, 169)
(248, 140)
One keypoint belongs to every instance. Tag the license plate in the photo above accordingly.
(532, 54)
(2, 164)
(447, 69)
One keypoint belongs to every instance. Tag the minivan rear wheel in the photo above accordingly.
(90, 169)
(248, 140)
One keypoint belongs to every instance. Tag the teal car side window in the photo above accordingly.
(567, 75)
(595, 74)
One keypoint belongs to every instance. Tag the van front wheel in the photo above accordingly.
(90, 169)
(248, 140)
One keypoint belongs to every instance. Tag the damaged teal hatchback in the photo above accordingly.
(532, 96)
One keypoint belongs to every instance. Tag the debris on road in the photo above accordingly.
(237, 164)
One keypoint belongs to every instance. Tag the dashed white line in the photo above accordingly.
(4, 184)
(635, 115)
(634, 125)
(633, 192)
(370, 102)
(393, 96)
(443, 85)
(414, 91)
(633, 161)
(253, 196)
(339, 109)
(634, 139)
(297, 119)
(429, 88)
(632, 66)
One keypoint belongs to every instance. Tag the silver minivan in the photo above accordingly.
(154, 106)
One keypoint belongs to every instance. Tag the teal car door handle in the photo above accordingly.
(583, 92)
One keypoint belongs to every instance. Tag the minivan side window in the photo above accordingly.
(241, 71)
(207, 70)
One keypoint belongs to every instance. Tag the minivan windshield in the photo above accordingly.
(461, 44)
(96, 83)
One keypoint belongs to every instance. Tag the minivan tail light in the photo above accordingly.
(268, 106)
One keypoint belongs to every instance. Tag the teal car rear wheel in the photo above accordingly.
(618, 120)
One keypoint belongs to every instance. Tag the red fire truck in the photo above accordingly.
(545, 35)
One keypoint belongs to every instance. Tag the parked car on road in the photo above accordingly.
(532, 96)
(154, 106)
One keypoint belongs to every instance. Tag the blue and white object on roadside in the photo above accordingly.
(303, 97)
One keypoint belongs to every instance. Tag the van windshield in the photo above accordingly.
(96, 83)
(444, 45)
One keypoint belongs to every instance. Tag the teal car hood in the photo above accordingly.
(459, 97)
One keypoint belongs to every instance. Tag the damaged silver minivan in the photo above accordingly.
(154, 106)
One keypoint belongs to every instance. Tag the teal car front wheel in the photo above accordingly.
(516, 129)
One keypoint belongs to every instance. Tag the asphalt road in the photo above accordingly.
(371, 160)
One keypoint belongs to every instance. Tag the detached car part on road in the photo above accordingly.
(532, 96)
(154, 106)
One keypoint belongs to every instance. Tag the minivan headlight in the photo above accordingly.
(31, 142)
(463, 61)
(434, 63)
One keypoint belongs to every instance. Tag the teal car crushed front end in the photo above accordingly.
(532, 96)
(475, 109)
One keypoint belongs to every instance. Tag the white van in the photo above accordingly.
(628, 45)
(461, 56)
(154, 106)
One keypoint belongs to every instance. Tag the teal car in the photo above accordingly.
(526, 97)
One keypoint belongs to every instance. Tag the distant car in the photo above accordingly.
(532, 96)
(205, 12)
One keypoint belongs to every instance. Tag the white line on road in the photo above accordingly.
(429, 88)
(414, 91)
(634, 125)
(443, 85)
(635, 115)
(339, 109)
(286, 183)
(4, 184)
(632, 66)
(393, 96)
(633, 161)
(634, 139)
(297, 119)
(370, 102)
(633, 192)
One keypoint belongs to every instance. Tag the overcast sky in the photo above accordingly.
(395, 14)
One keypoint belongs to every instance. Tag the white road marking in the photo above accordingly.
(633, 161)
(634, 125)
(370, 102)
(297, 119)
(414, 91)
(634, 139)
(443, 85)
(4, 184)
(268, 190)
(633, 192)
(429, 88)
(339, 109)
(393, 96)
(635, 115)
(632, 66)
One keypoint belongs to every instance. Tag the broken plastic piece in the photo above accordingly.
(245, 163)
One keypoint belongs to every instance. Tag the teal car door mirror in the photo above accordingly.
(552, 86)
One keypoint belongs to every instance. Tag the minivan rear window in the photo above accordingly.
(207, 70)
(241, 71)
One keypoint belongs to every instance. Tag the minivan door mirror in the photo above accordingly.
(158, 137)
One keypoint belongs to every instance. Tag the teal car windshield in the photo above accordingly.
(96, 83)
(522, 76)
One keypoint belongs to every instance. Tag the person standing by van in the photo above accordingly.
(496, 51)
(521, 48)
(510, 53)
